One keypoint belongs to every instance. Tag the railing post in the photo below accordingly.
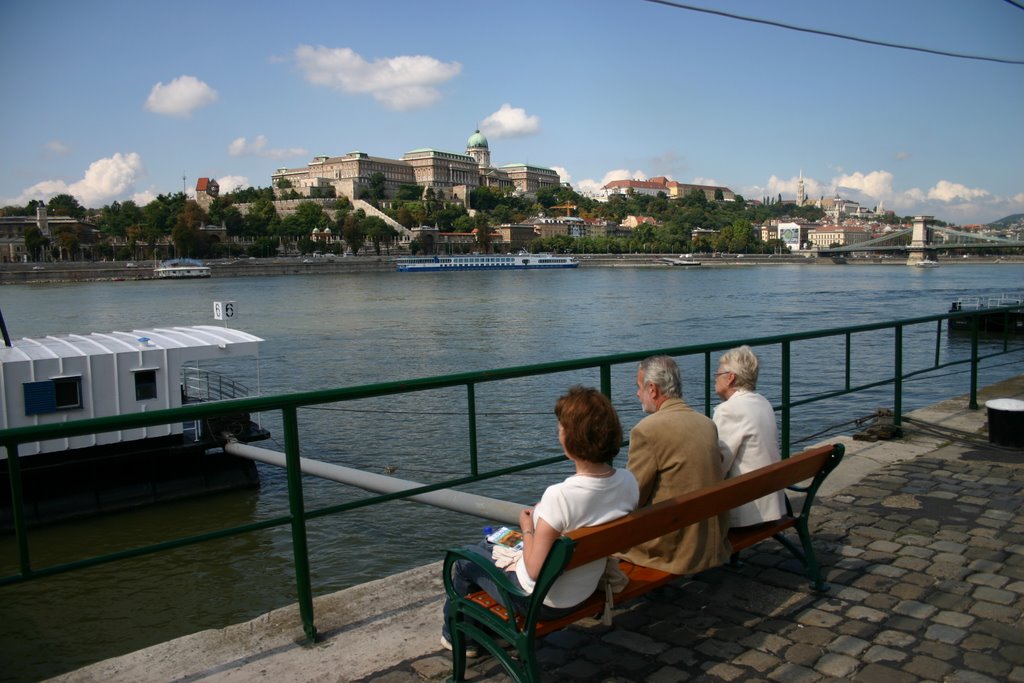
(708, 382)
(18, 507)
(471, 416)
(785, 399)
(897, 384)
(847, 360)
(606, 380)
(298, 517)
(975, 321)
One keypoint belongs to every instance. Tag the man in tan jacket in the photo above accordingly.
(672, 451)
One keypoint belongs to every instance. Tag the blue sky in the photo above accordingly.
(113, 100)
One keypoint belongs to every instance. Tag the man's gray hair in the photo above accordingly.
(662, 372)
(742, 362)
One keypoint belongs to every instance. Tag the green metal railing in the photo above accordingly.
(289, 404)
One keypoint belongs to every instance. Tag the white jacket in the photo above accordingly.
(749, 440)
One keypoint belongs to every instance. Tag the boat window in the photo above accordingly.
(49, 396)
(145, 385)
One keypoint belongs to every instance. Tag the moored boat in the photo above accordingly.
(521, 261)
(71, 377)
(989, 320)
(926, 263)
(181, 268)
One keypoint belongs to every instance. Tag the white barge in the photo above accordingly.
(71, 377)
(181, 269)
(521, 261)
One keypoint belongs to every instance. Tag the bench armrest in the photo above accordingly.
(519, 624)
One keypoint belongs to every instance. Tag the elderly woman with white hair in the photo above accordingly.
(747, 433)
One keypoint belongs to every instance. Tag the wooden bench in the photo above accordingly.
(485, 621)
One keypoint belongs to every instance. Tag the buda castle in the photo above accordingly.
(449, 174)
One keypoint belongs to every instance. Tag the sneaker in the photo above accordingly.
(472, 651)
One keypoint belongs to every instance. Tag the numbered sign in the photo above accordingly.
(223, 310)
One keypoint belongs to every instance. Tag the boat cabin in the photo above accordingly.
(75, 377)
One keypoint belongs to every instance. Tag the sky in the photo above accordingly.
(111, 100)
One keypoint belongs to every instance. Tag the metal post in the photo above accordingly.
(298, 516)
(975, 319)
(471, 412)
(708, 382)
(848, 349)
(785, 398)
(606, 380)
(897, 385)
(18, 508)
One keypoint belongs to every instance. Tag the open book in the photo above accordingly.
(506, 537)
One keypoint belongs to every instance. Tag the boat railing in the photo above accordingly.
(805, 377)
(200, 386)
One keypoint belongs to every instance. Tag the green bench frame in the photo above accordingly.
(485, 621)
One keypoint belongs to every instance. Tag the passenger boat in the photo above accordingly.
(71, 377)
(926, 263)
(683, 260)
(520, 261)
(181, 268)
(994, 321)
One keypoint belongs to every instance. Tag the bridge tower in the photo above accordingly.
(921, 246)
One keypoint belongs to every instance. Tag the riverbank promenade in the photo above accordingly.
(921, 539)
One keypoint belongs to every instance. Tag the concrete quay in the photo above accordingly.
(921, 539)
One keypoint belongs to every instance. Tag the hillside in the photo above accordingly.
(1008, 221)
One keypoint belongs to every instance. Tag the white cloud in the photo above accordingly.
(58, 148)
(876, 184)
(946, 191)
(591, 185)
(258, 147)
(401, 83)
(230, 183)
(104, 181)
(563, 173)
(180, 97)
(510, 122)
(144, 197)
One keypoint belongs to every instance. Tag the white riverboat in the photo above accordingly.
(926, 263)
(521, 261)
(62, 378)
(181, 268)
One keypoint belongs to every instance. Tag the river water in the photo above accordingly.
(326, 331)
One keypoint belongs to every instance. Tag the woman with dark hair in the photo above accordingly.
(591, 435)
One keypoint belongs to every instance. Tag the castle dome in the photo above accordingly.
(476, 140)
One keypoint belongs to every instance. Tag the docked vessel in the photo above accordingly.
(71, 377)
(521, 261)
(683, 260)
(926, 263)
(994, 321)
(181, 268)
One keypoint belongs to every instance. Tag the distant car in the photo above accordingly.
(38, 268)
(129, 265)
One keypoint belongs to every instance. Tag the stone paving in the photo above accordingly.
(926, 564)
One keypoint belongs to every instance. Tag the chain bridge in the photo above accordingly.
(922, 242)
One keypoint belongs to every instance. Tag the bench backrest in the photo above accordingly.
(593, 543)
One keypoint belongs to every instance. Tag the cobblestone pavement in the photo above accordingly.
(926, 564)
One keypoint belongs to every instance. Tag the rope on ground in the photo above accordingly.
(955, 435)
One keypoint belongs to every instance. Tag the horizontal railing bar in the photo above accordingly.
(303, 399)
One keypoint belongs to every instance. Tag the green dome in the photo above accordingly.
(477, 140)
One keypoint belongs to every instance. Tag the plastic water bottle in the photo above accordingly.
(487, 532)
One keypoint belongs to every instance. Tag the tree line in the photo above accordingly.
(693, 223)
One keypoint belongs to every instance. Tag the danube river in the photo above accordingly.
(325, 331)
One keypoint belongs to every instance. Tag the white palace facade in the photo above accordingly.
(449, 174)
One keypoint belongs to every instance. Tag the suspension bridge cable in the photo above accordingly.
(830, 34)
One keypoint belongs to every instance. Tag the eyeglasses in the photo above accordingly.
(724, 372)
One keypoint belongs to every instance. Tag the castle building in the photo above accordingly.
(451, 174)
(671, 189)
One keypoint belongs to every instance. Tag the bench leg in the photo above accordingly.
(807, 556)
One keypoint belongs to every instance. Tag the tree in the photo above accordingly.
(35, 242)
(187, 238)
(352, 230)
(378, 232)
(376, 188)
(65, 205)
(408, 193)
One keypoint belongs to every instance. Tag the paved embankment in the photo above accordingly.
(922, 539)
